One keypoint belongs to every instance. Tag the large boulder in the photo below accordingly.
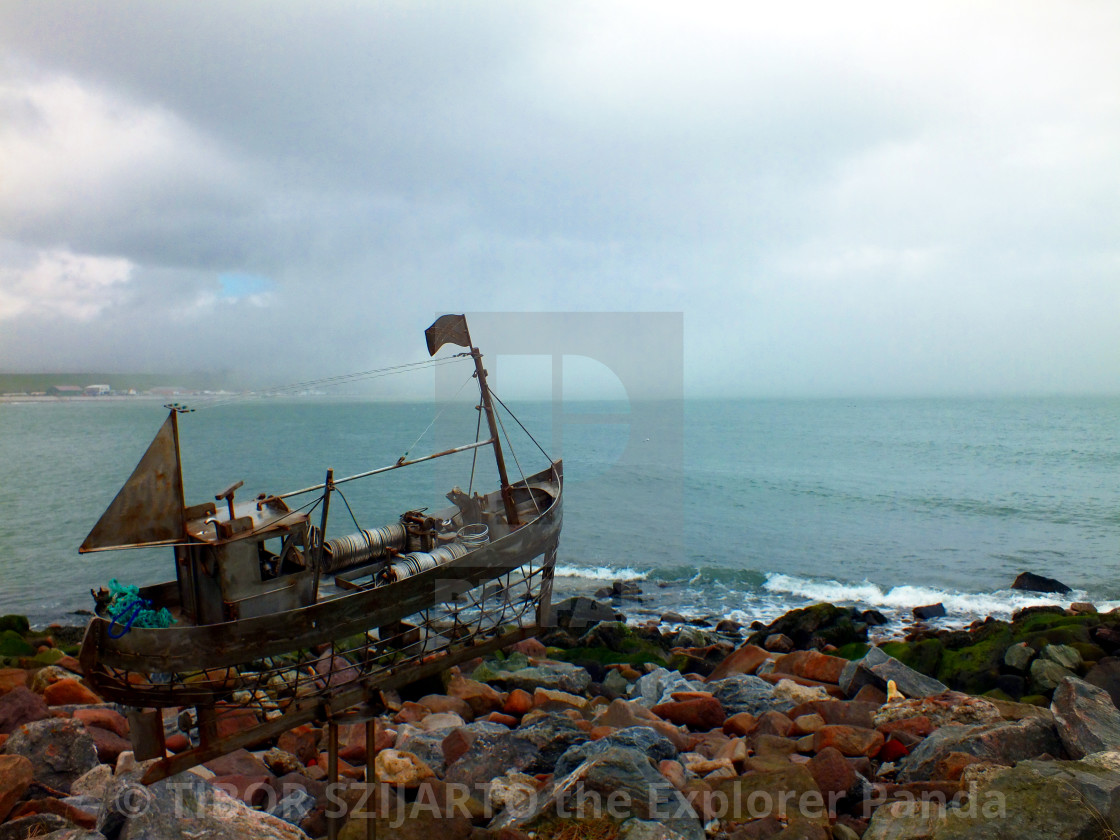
(658, 686)
(1030, 582)
(648, 741)
(578, 613)
(747, 693)
(620, 782)
(16, 774)
(816, 626)
(20, 706)
(1088, 722)
(999, 743)
(1041, 800)
(59, 749)
(554, 676)
(550, 735)
(1106, 674)
(185, 808)
(877, 668)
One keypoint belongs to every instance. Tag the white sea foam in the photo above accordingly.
(600, 573)
(979, 604)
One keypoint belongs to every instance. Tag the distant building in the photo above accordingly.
(96, 390)
(169, 390)
(64, 391)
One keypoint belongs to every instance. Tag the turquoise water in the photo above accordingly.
(742, 508)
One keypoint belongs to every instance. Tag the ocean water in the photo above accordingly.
(717, 508)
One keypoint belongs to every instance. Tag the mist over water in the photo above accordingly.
(772, 504)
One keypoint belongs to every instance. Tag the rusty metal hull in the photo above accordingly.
(290, 667)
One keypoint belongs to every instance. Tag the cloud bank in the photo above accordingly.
(840, 198)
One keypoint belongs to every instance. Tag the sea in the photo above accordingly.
(740, 509)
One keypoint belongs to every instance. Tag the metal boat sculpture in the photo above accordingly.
(257, 648)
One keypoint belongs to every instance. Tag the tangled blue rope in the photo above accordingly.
(127, 609)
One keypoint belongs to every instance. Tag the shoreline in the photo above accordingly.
(932, 735)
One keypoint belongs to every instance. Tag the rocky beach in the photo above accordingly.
(825, 723)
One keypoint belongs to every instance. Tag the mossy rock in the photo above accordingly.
(490, 668)
(827, 622)
(1064, 635)
(1036, 700)
(606, 656)
(853, 651)
(974, 669)
(1040, 622)
(16, 623)
(47, 657)
(13, 646)
(621, 638)
(998, 694)
(1090, 652)
(924, 656)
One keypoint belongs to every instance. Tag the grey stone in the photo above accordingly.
(650, 742)
(1000, 743)
(551, 735)
(34, 826)
(492, 754)
(60, 750)
(1019, 656)
(1088, 722)
(580, 612)
(1040, 800)
(1106, 674)
(905, 820)
(1064, 655)
(881, 668)
(747, 693)
(555, 676)
(1046, 674)
(427, 746)
(184, 808)
(639, 791)
(1031, 582)
(648, 690)
(635, 829)
(692, 637)
(294, 807)
(616, 685)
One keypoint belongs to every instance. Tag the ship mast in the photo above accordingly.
(452, 329)
(488, 407)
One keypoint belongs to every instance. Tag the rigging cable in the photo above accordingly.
(329, 381)
(509, 443)
(404, 457)
(522, 425)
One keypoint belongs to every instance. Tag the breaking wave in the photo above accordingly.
(1001, 603)
(599, 573)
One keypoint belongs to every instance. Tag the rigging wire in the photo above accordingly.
(330, 381)
(519, 423)
(509, 443)
(404, 457)
(474, 454)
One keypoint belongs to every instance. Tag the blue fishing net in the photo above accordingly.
(129, 610)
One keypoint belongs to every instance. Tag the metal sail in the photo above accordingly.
(148, 510)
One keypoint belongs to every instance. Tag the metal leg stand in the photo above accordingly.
(371, 778)
(332, 773)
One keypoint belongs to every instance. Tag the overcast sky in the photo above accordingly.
(841, 198)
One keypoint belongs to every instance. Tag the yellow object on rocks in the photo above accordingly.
(893, 694)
